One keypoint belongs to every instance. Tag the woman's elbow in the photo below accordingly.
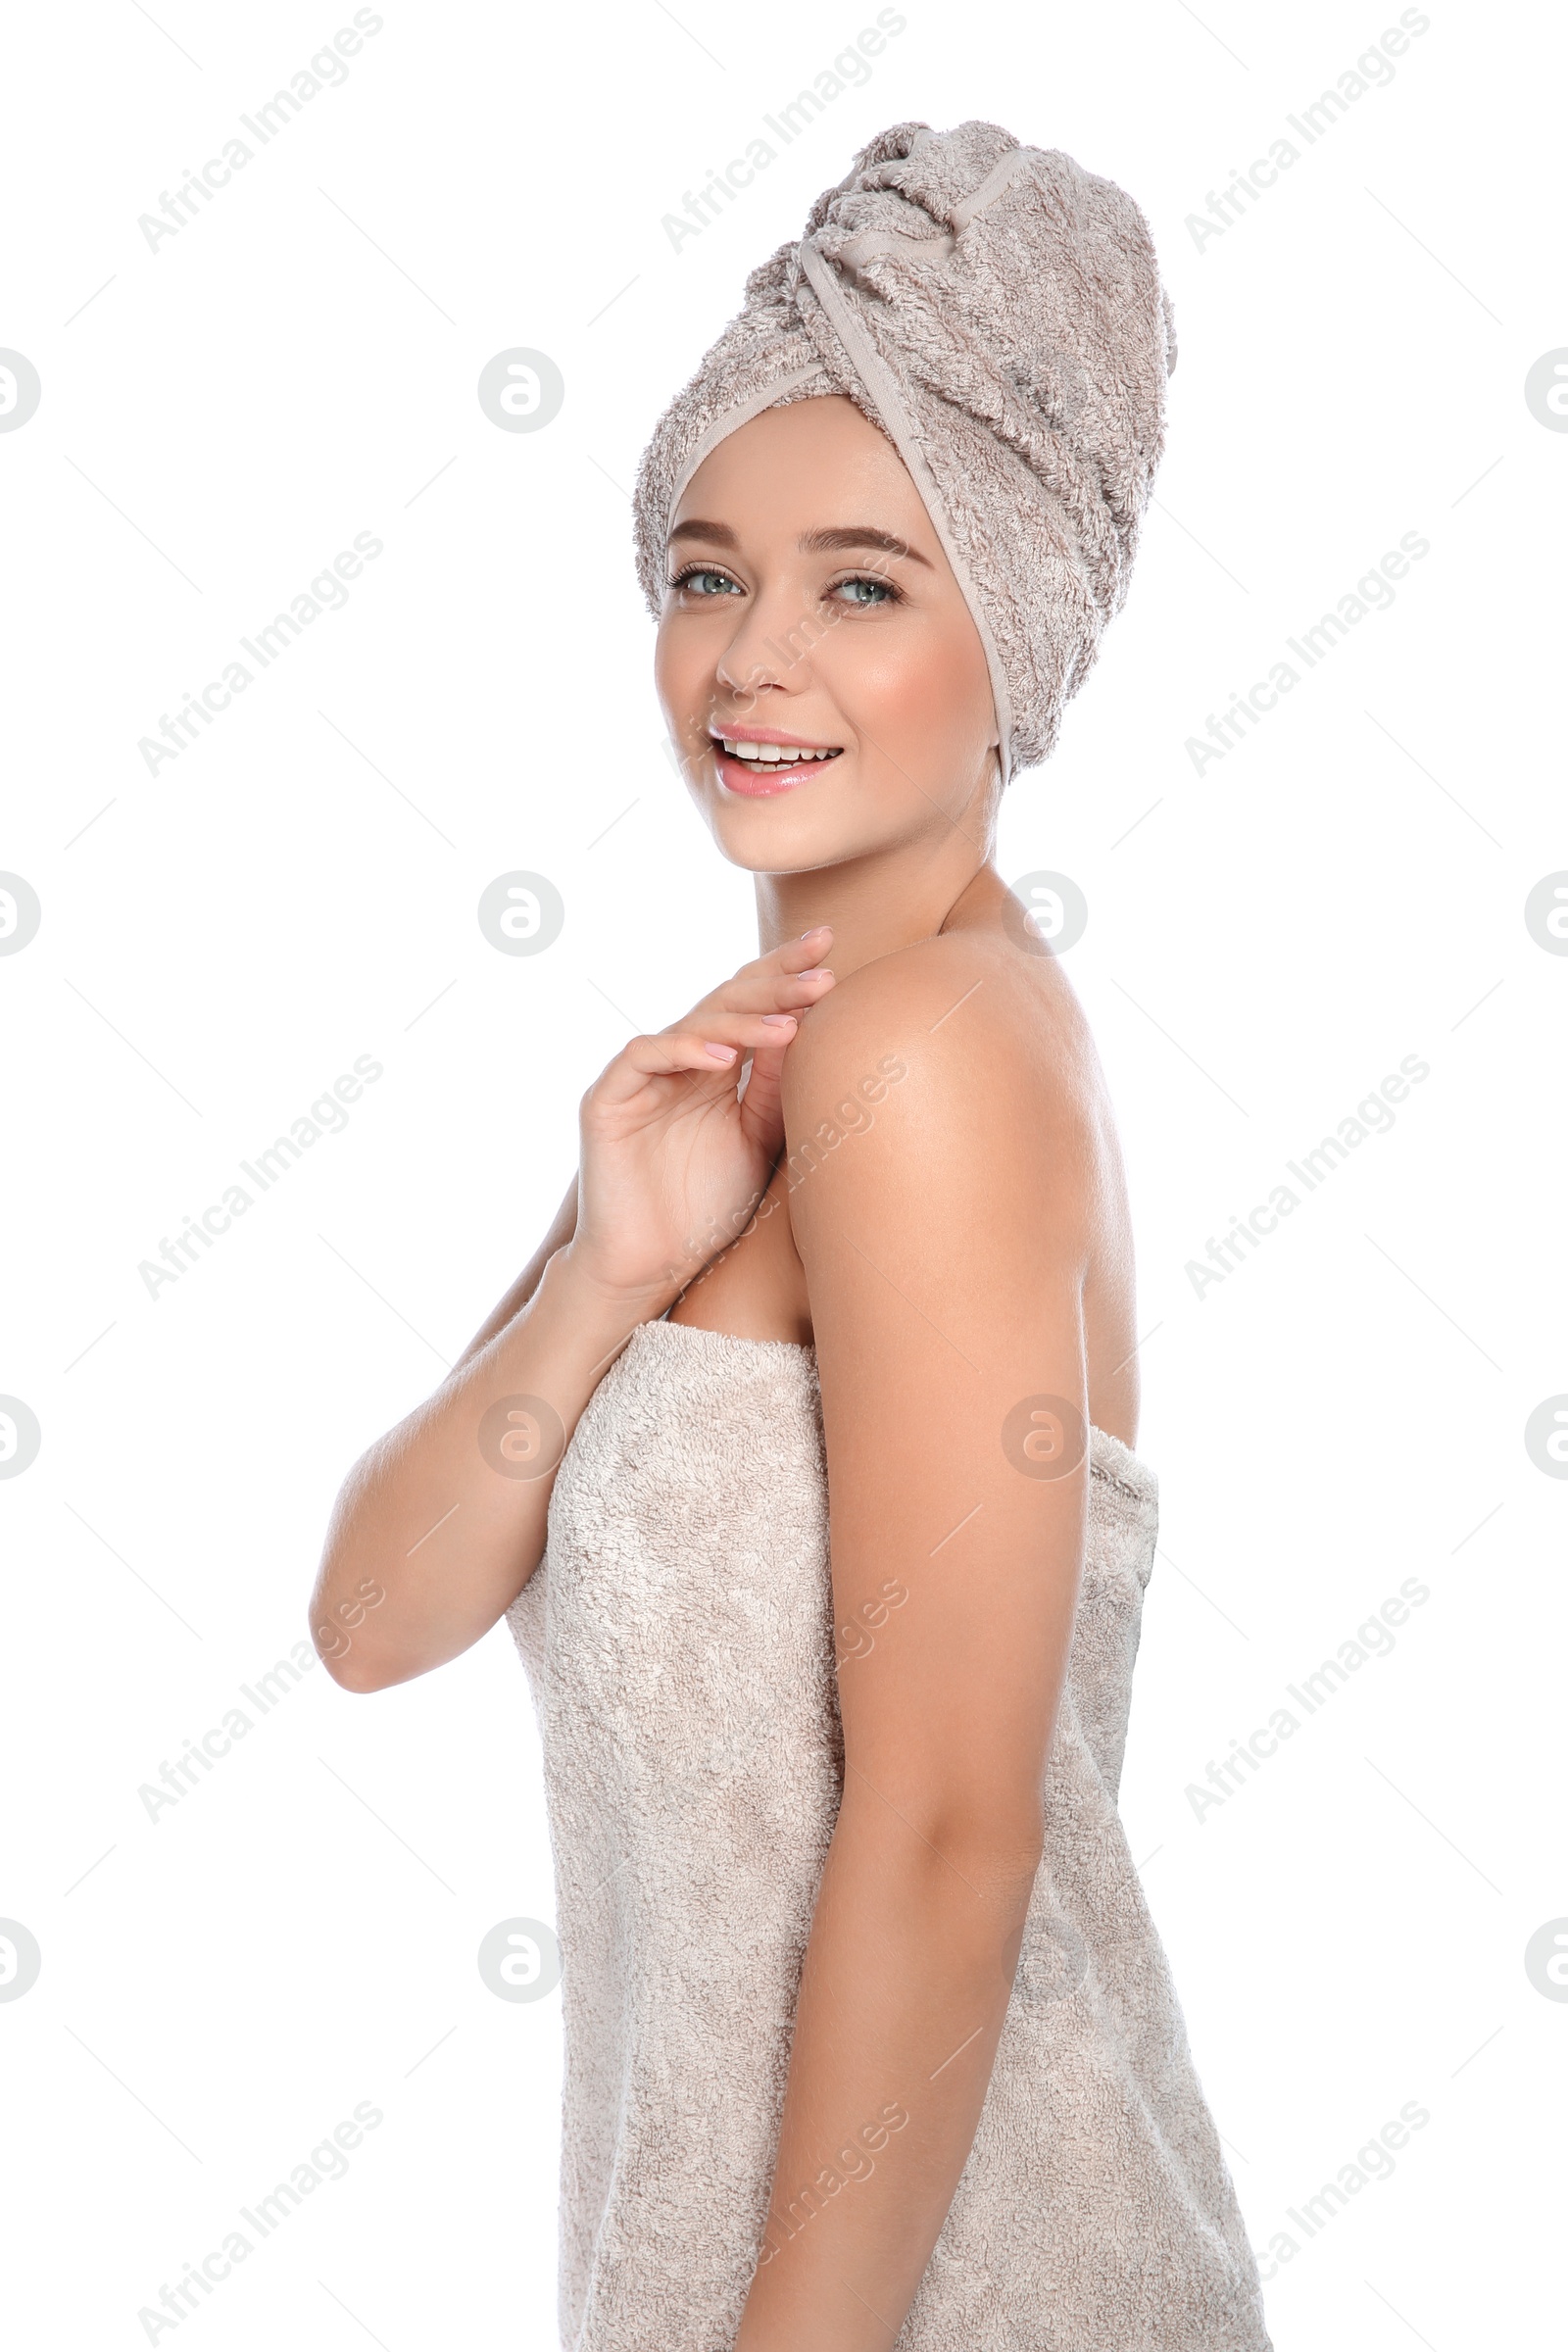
(343, 1629)
(358, 1670)
(993, 1841)
(998, 1853)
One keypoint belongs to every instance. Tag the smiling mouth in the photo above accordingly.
(759, 757)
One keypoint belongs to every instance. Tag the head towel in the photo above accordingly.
(998, 313)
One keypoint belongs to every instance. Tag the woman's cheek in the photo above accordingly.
(678, 678)
(909, 698)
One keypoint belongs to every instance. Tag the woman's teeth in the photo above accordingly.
(772, 754)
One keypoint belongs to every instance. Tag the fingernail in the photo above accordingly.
(821, 973)
(817, 931)
(778, 1020)
(720, 1052)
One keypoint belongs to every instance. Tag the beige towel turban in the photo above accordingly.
(998, 313)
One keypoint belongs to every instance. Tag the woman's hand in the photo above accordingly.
(428, 1545)
(677, 1152)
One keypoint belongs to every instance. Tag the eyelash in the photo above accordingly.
(893, 596)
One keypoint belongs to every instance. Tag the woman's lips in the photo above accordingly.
(756, 780)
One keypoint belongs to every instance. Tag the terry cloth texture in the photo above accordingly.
(678, 1642)
(998, 313)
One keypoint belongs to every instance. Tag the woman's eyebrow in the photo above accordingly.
(810, 543)
(717, 534)
(860, 534)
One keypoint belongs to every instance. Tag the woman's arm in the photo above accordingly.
(527, 1282)
(441, 1522)
(437, 1529)
(944, 1245)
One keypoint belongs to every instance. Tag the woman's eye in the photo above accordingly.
(864, 592)
(707, 583)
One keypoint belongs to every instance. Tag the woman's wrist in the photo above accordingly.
(609, 1308)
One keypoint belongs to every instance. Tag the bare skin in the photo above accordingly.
(922, 1177)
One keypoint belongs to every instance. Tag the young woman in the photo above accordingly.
(802, 1452)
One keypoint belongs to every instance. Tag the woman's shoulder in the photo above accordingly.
(974, 1016)
(965, 1065)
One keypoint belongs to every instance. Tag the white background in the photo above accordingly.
(220, 1985)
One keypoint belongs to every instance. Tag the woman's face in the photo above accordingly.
(811, 608)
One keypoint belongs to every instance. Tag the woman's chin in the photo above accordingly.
(784, 837)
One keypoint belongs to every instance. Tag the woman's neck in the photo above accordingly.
(876, 906)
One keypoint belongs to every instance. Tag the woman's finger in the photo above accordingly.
(761, 991)
(671, 1051)
(722, 1025)
(762, 1102)
(789, 977)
